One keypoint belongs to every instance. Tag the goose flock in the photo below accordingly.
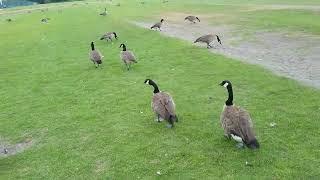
(235, 121)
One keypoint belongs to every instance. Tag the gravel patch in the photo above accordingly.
(7, 149)
(293, 56)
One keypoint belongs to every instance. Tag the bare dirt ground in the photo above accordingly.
(7, 149)
(293, 56)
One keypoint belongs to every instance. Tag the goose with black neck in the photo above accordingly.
(95, 56)
(236, 122)
(127, 56)
(162, 105)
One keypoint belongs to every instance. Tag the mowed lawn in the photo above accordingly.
(88, 123)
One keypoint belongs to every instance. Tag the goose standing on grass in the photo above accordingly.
(127, 56)
(208, 39)
(104, 13)
(158, 25)
(236, 122)
(95, 56)
(109, 36)
(192, 19)
(162, 104)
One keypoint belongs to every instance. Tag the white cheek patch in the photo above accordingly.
(236, 138)
(147, 82)
(226, 84)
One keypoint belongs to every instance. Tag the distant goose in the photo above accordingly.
(45, 20)
(208, 39)
(104, 13)
(109, 36)
(162, 104)
(127, 56)
(158, 25)
(236, 122)
(95, 56)
(192, 19)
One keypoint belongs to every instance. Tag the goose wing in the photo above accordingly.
(206, 38)
(245, 126)
(163, 104)
(95, 55)
(128, 56)
(158, 25)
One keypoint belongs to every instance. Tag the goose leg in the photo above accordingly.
(170, 125)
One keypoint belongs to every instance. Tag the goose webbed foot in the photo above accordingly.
(240, 145)
(169, 126)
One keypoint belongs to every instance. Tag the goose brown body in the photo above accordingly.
(192, 19)
(157, 25)
(208, 39)
(236, 122)
(104, 13)
(162, 104)
(109, 36)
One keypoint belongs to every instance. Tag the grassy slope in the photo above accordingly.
(87, 122)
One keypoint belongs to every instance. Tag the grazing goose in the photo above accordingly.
(158, 25)
(162, 104)
(95, 56)
(236, 122)
(192, 19)
(45, 20)
(208, 39)
(127, 56)
(109, 36)
(104, 13)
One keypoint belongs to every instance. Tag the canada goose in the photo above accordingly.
(158, 25)
(208, 39)
(104, 13)
(109, 35)
(192, 19)
(95, 56)
(127, 56)
(236, 122)
(162, 104)
(45, 20)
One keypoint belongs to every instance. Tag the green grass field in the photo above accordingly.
(88, 123)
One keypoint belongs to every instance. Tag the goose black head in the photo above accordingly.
(124, 48)
(225, 83)
(147, 81)
(161, 20)
(198, 19)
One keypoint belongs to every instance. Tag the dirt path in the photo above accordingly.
(292, 56)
